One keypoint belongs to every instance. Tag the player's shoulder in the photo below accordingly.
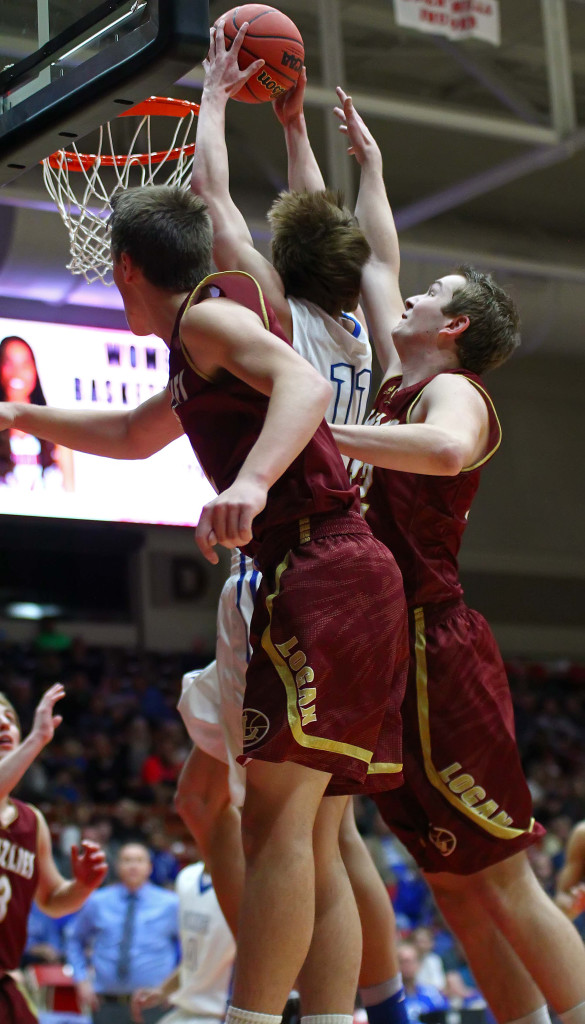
(188, 876)
(453, 386)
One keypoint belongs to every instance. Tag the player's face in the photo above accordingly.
(9, 731)
(18, 372)
(423, 317)
(135, 314)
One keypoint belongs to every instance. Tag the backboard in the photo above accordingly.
(67, 66)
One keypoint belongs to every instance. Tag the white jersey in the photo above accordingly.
(343, 356)
(212, 699)
(207, 947)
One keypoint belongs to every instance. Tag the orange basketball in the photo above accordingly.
(274, 38)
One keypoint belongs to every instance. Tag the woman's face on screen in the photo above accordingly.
(18, 373)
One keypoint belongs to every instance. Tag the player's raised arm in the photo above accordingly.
(223, 335)
(380, 292)
(135, 434)
(233, 247)
(19, 755)
(304, 173)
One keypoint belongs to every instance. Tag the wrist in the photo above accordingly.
(215, 96)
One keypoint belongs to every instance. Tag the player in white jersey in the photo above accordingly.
(212, 784)
(198, 989)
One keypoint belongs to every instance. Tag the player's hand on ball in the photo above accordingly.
(362, 143)
(221, 65)
(45, 722)
(288, 107)
(89, 865)
(227, 520)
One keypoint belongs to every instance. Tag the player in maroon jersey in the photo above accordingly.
(27, 869)
(465, 809)
(326, 678)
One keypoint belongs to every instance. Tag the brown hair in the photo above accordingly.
(493, 333)
(8, 704)
(166, 232)
(318, 249)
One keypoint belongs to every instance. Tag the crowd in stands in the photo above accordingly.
(111, 770)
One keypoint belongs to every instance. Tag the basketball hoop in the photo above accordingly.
(82, 195)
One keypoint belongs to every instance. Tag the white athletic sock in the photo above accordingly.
(574, 1016)
(540, 1016)
(235, 1016)
(328, 1018)
(373, 994)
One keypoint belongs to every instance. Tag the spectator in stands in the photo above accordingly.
(418, 998)
(125, 938)
(432, 970)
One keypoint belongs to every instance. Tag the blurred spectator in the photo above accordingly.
(418, 998)
(165, 866)
(125, 938)
(432, 971)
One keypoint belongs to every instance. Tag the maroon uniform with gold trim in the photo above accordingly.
(465, 803)
(327, 673)
(18, 884)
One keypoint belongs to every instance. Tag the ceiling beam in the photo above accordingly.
(559, 69)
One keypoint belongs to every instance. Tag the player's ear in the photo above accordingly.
(456, 326)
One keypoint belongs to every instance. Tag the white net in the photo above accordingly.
(83, 185)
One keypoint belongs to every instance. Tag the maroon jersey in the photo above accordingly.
(421, 518)
(18, 882)
(224, 416)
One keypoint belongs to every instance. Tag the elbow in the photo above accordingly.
(451, 458)
(323, 393)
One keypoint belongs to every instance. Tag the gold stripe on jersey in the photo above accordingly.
(437, 779)
(384, 768)
(292, 693)
(205, 283)
(27, 998)
(488, 401)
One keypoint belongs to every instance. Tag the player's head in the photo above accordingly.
(10, 730)
(493, 332)
(167, 234)
(318, 249)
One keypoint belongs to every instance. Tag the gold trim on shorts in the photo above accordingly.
(294, 719)
(494, 828)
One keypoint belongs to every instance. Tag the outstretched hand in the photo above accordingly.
(45, 722)
(362, 143)
(289, 105)
(227, 520)
(221, 65)
(89, 865)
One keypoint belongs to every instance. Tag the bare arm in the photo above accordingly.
(380, 290)
(304, 173)
(56, 895)
(233, 247)
(449, 433)
(117, 435)
(222, 335)
(144, 998)
(15, 763)
(570, 894)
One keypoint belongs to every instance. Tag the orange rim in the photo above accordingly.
(155, 105)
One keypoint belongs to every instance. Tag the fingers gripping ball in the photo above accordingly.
(275, 39)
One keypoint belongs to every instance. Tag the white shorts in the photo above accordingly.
(212, 699)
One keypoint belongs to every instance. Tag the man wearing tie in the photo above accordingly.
(126, 937)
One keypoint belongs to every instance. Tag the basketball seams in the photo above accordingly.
(283, 53)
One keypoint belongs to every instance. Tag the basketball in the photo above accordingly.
(274, 38)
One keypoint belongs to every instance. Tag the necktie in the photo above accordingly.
(123, 966)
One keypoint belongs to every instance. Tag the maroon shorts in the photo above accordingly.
(15, 1005)
(330, 654)
(465, 804)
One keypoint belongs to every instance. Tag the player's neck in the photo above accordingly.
(8, 812)
(417, 366)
